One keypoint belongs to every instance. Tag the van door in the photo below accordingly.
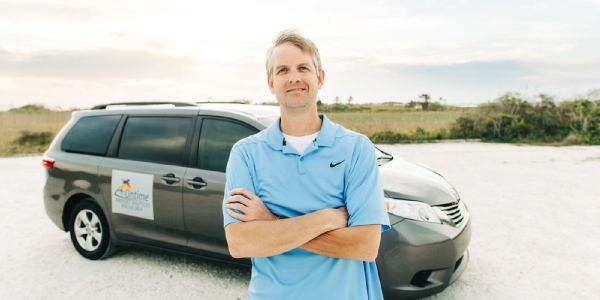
(205, 183)
(143, 184)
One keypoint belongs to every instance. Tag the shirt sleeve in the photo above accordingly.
(364, 192)
(237, 175)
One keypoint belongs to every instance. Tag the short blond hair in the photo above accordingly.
(297, 39)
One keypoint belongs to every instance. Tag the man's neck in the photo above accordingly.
(300, 124)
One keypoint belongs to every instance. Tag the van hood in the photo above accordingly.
(412, 181)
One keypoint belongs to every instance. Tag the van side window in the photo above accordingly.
(155, 139)
(101, 128)
(217, 136)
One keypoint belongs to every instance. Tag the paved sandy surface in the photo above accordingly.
(535, 214)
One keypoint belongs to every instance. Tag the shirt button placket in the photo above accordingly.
(301, 169)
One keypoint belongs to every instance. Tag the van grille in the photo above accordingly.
(455, 211)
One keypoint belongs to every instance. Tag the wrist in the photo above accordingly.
(331, 219)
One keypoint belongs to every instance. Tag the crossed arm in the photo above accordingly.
(324, 232)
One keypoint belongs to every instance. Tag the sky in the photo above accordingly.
(76, 54)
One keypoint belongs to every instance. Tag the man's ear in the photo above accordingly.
(270, 83)
(321, 78)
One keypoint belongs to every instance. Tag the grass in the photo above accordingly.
(14, 124)
(369, 123)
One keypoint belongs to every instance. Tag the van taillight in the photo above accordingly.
(48, 163)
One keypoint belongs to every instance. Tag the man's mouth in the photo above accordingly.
(295, 90)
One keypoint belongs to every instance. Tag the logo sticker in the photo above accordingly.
(132, 194)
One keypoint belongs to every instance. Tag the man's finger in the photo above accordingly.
(238, 199)
(237, 206)
(244, 192)
(236, 215)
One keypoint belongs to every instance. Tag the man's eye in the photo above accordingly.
(304, 68)
(282, 70)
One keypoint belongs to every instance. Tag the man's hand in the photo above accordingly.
(341, 216)
(250, 205)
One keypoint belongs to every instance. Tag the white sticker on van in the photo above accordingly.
(132, 194)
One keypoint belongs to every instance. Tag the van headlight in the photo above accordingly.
(413, 210)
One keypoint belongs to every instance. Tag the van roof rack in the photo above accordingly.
(176, 104)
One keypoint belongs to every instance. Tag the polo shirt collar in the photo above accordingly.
(325, 138)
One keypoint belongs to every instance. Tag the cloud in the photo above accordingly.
(30, 11)
(470, 73)
(101, 63)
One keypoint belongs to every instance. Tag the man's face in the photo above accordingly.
(295, 82)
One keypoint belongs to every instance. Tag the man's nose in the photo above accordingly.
(294, 76)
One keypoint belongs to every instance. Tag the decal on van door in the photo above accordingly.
(132, 194)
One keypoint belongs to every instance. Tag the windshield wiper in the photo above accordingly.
(383, 159)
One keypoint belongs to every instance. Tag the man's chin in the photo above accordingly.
(297, 104)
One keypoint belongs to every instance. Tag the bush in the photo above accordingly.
(31, 142)
(419, 135)
(512, 119)
(337, 107)
(29, 109)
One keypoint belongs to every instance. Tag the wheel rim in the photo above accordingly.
(88, 230)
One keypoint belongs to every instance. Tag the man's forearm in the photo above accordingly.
(357, 242)
(267, 238)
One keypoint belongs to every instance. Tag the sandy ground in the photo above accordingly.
(536, 233)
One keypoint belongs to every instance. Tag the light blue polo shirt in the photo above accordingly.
(338, 169)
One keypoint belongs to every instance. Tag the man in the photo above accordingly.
(303, 198)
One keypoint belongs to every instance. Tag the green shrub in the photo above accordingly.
(419, 135)
(338, 107)
(512, 119)
(34, 139)
(29, 109)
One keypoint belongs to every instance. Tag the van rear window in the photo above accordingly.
(91, 135)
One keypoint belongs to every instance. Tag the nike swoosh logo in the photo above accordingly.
(331, 165)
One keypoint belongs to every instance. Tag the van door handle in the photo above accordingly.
(197, 182)
(170, 178)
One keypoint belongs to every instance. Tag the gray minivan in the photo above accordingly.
(153, 176)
